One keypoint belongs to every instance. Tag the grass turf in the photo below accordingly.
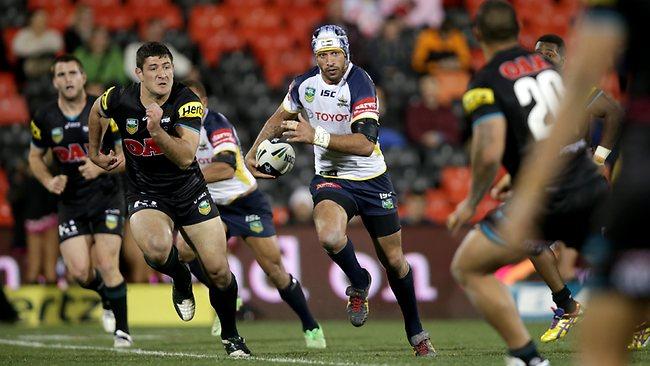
(458, 342)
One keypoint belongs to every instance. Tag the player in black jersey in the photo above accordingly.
(159, 121)
(623, 266)
(90, 204)
(510, 103)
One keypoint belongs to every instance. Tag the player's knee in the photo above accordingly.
(106, 265)
(219, 275)
(156, 249)
(395, 262)
(276, 273)
(331, 239)
(459, 271)
(80, 273)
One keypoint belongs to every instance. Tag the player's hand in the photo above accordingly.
(89, 170)
(463, 213)
(503, 189)
(154, 115)
(298, 131)
(108, 162)
(251, 164)
(57, 184)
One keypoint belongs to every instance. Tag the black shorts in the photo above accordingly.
(373, 199)
(250, 215)
(183, 213)
(100, 214)
(623, 262)
(572, 217)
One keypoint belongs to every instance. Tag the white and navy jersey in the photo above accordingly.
(219, 135)
(335, 108)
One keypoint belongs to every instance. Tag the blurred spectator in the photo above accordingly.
(415, 206)
(335, 15)
(391, 50)
(103, 62)
(301, 206)
(80, 31)
(36, 45)
(155, 32)
(389, 130)
(416, 13)
(365, 14)
(428, 123)
(441, 49)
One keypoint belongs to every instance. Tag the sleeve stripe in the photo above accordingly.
(487, 117)
(188, 127)
(371, 115)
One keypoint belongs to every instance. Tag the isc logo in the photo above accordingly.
(149, 148)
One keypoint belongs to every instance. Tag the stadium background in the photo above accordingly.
(420, 54)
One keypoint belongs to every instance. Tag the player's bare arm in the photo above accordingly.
(488, 146)
(180, 150)
(96, 128)
(596, 47)
(272, 128)
(220, 170)
(54, 184)
(605, 107)
(302, 131)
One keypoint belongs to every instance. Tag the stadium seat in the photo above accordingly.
(100, 3)
(114, 18)
(452, 85)
(6, 219)
(438, 206)
(455, 181)
(205, 20)
(7, 85)
(60, 17)
(13, 109)
(47, 4)
(4, 184)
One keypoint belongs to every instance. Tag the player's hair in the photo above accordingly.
(66, 58)
(496, 21)
(198, 86)
(151, 49)
(554, 39)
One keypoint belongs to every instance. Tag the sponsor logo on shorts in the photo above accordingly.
(68, 228)
(57, 135)
(145, 204)
(309, 94)
(328, 185)
(131, 125)
(111, 221)
(387, 204)
(204, 207)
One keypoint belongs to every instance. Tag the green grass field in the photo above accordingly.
(468, 342)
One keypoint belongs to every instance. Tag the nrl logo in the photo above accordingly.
(131, 125)
(57, 135)
(309, 94)
(111, 221)
(204, 207)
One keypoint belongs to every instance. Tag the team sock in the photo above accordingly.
(525, 353)
(197, 270)
(295, 298)
(347, 261)
(117, 297)
(564, 300)
(404, 291)
(224, 303)
(174, 269)
(97, 285)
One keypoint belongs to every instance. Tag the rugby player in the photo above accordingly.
(623, 266)
(91, 213)
(245, 212)
(159, 121)
(510, 103)
(342, 122)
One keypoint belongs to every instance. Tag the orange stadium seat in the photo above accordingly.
(438, 206)
(59, 18)
(7, 85)
(47, 4)
(114, 18)
(205, 20)
(218, 43)
(101, 3)
(13, 109)
(4, 183)
(455, 183)
(452, 85)
(6, 219)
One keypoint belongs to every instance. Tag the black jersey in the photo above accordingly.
(525, 89)
(148, 170)
(68, 138)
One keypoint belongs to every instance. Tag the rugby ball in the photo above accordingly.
(275, 157)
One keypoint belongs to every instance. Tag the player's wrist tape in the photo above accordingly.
(601, 155)
(321, 137)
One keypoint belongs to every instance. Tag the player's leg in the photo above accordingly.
(139, 271)
(152, 232)
(51, 254)
(208, 240)
(607, 328)
(568, 310)
(35, 255)
(566, 261)
(473, 266)
(107, 254)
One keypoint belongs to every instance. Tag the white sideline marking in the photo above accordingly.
(137, 351)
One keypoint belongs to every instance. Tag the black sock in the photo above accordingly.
(197, 270)
(97, 285)
(224, 303)
(525, 353)
(295, 298)
(404, 291)
(564, 300)
(174, 269)
(347, 261)
(117, 297)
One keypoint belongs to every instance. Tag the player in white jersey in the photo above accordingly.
(342, 122)
(245, 212)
